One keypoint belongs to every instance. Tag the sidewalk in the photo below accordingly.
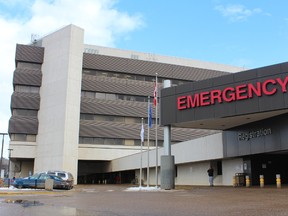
(14, 191)
(4, 191)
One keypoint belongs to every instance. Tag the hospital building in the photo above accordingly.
(79, 107)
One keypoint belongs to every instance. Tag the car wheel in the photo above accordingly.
(20, 186)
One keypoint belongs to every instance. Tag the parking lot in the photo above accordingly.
(120, 200)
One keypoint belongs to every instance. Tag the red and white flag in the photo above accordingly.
(155, 94)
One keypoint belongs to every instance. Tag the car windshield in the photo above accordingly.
(62, 175)
(57, 178)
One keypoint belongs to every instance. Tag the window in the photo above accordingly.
(86, 116)
(31, 138)
(89, 72)
(28, 65)
(141, 78)
(137, 142)
(109, 141)
(150, 78)
(102, 74)
(118, 75)
(24, 112)
(119, 142)
(23, 137)
(88, 140)
(19, 137)
(111, 96)
(133, 56)
(98, 140)
(27, 89)
(100, 95)
(91, 51)
(126, 119)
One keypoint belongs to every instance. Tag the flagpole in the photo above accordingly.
(148, 142)
(142, 140)
(156, 126)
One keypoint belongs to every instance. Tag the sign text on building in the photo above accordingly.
(230, 94)
(254, 134)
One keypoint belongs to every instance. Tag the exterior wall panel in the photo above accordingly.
(260, 137)
(27, 77)
(29, 53)
(23, 100)
(119, 86)
(23, 125)
(131, 131)
(111, 107)
(125, 65)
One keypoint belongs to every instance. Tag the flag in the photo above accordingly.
(155, 94)
(142, 133)
(150, 116)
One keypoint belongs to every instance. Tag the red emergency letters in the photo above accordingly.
(229, 94)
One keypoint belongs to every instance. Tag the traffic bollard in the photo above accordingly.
(278, 180)
(247, 181)
(261, 181)
(234, 181)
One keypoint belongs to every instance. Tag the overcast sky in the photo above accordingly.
(242, 33)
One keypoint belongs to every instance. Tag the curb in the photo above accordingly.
(29, 192)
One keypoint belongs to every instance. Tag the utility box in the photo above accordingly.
(49, 184)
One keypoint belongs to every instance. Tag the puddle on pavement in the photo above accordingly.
(24, 203)
(47, 210)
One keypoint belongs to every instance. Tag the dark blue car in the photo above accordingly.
(38, 181)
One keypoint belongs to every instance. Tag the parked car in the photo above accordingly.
(38, 181)
(66, 176)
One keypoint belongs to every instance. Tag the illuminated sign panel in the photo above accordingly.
(230, 94)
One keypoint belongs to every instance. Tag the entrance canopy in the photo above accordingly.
(227, 101)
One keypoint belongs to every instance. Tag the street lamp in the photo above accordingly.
(9, 161)
(3, 134)
(9, 166)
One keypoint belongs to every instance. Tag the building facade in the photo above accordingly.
(250, 107)
(78, 107)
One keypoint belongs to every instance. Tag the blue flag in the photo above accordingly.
(150, 116)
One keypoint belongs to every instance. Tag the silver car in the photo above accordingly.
(66, 176)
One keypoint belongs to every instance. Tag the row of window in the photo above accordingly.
(27, 89)
(131, 76)
(28, 65)
(92, 140)
(110, 96)
(115, 141)
(23, 137)
(24, 112)
(95, 117)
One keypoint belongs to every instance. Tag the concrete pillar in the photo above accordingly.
(167, 172)
(167, 140)
(167, 160)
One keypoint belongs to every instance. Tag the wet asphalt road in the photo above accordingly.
(115, 200)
